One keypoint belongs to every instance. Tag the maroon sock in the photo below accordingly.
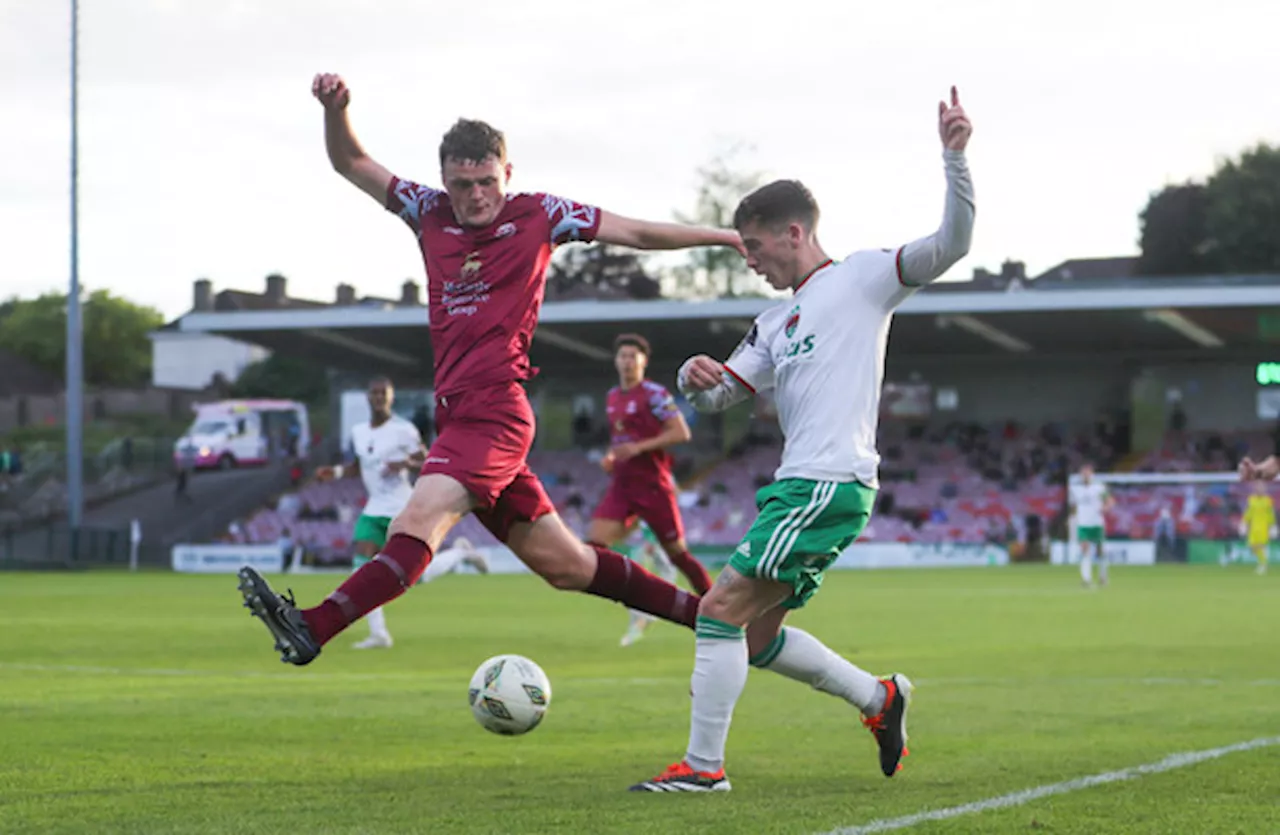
(618, 578)
(379, 581)
(693, 570)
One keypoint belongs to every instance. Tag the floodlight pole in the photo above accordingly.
(74, 346)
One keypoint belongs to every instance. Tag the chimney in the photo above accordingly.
(202, 296)
(1013, 269)
(276, 288)
(346, 295)
(410, 294)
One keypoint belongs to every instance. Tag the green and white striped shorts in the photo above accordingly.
(802, 527)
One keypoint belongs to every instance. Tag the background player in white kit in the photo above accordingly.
(823, 352)
(1090, 501)
(384, 451)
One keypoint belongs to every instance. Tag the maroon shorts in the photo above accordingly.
(654, 503)
(483, 443)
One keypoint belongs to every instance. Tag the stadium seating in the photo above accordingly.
(941, 484)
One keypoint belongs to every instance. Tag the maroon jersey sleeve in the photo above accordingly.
(661, 403)
(411, 201)
(570, 221)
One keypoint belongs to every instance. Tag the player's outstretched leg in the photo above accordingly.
(1086, 565)
(1260, 552)
(437, 504)
(300, 633)
(800, 656)
(556, 555)
(283, 619)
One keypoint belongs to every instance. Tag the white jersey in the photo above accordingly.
(1089, 501)
(375, 447)
(823, 350)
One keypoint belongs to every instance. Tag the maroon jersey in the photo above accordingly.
(485, 284)
(638, 414)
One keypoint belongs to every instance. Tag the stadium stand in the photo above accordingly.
(957, 483)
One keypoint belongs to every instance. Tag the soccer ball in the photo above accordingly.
(509, 695)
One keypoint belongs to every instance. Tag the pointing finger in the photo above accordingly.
(955, 96)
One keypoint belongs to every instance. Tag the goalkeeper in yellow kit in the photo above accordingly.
(1258, 524)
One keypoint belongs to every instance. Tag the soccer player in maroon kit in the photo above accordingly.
(486, 254)
(643, 422)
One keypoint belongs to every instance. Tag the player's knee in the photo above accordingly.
(718, 606)
(427, 518)
(567, 577)
(569, 570)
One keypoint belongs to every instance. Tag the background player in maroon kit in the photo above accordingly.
(486, 254)
(643, 422)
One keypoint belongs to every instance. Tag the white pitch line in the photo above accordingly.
(1018, 798)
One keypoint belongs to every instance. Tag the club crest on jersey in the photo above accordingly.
(471, 265)
(506, 230)
(793, 322)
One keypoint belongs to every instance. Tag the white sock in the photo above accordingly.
(719, 674)
(639, 620)
(443, 563)
(798, 655)
(663, 567)
(1086, 565)
(1102, 569)
(377, 623)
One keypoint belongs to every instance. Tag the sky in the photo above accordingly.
(201, 150)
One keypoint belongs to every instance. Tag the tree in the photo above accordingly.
(283, 377)
(1243, 216)
(600, 272)
(117, 347)
(1225, 225)
(117, 350)
(1173, 231)
(716, 271)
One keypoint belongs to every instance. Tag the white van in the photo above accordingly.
(234, 433)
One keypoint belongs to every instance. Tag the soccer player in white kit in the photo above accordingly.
(823, 353)
(1089, 503)
(384, 450)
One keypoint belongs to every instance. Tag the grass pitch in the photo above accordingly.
(153, 703)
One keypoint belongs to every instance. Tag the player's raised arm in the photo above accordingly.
(1265, 470)
(922, 261)
(713, 387)
(345, 153)
(648, 234)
